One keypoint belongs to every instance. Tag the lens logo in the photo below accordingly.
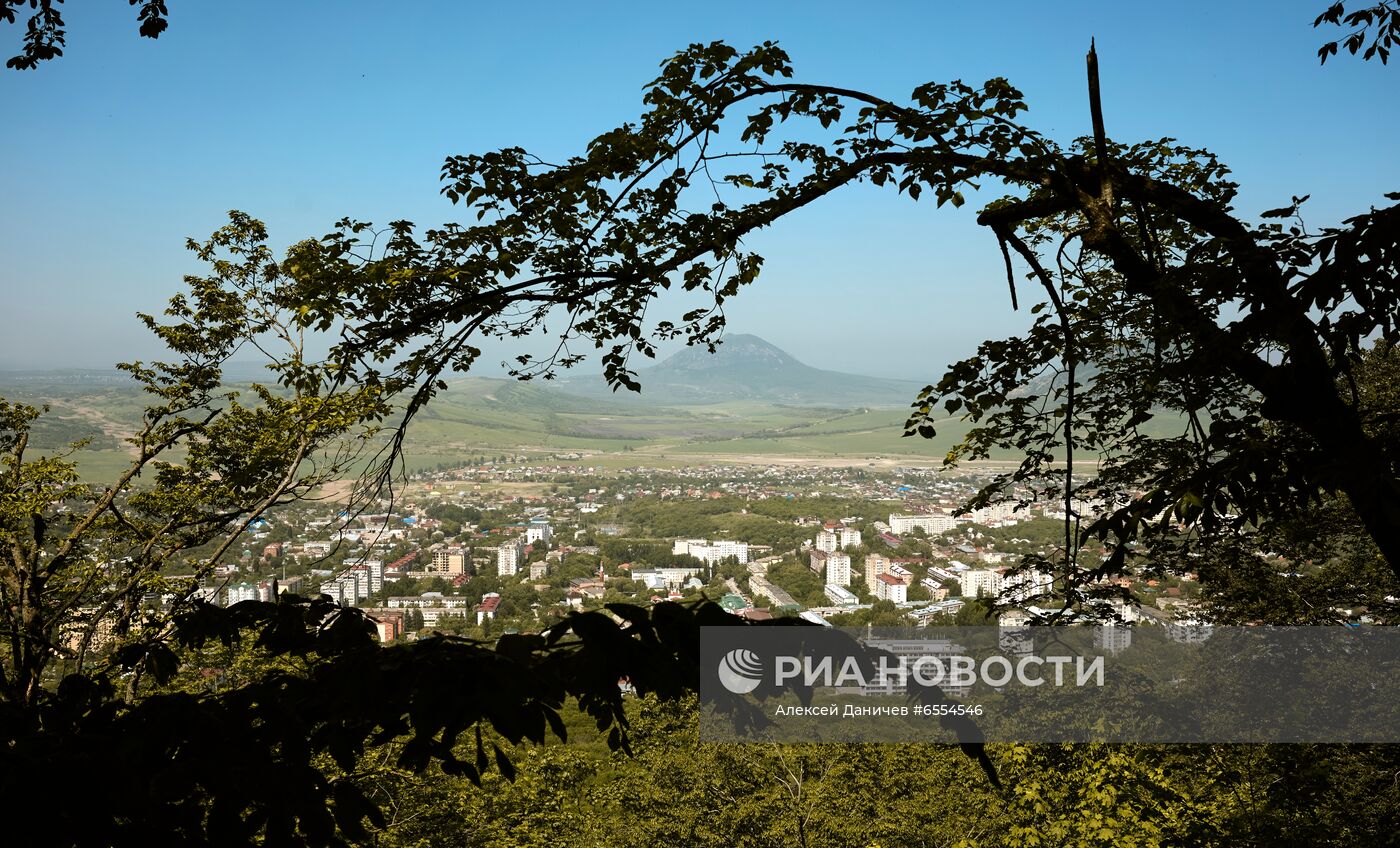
(740, 671)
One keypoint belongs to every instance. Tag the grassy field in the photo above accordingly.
(486, 418)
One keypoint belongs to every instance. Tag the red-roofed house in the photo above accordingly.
(891, 588)
(487, 608)
(389, 625)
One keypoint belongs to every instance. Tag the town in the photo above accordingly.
(514, 544)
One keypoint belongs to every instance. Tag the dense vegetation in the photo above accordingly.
(287, 723)
(678, 790)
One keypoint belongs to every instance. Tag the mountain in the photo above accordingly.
(745, 367)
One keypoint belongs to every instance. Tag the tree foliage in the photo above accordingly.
(1268, 346)
(1155, 300)
(297, 752)
(81, 559)
(44, 33)
(1381, 22)
(276, 758)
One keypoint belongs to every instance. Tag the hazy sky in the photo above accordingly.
(303, 112)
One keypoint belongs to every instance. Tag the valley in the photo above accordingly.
(750, 402)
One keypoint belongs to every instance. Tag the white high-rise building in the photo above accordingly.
(725, 549)
(928, 523)
(241, 592)
(837, 538)
(538, 532)
(1113, 638)
(891, 588)
(999, 513)
(334, 588)
(349, 587)
(838, 568)
(360, 575)
(712, 553)
(372, 571)
(509, 557)
(1027, 585)
(980, 581)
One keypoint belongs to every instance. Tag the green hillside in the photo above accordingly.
(479, 416)
(745, 367)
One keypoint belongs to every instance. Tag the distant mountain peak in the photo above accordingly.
(746, 367)
(736, 350)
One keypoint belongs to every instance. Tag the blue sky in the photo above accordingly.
(301, 113)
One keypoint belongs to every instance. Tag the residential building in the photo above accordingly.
(292, 585)
(1026, 585)
(1015, 637)
(901, 573)
(681, 547)
(835, 537)
(891, 588)
(487, 608)
(935, 588)
(838, 568)
(388, 625)
(450, 561)
(840, 595)
(953, 572)
(980, 582)
(1113, 639)
(361, 579)
(373, 573)
(930, 524)
(925, 615)
(241, 592)
(428, 599)
(776, 594)
(663, 578)
(509, 557)
(340, 590)
(1000, 513)
(103, 630)
(875, 565)
(714, 552)
(912, 650)
(432, 616)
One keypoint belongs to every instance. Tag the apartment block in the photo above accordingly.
(838, 568)
(930, 524)
(875, 565)
(449, 561)
(509, 557)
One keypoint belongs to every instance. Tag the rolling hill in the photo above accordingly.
(745, 367)
(750, 398)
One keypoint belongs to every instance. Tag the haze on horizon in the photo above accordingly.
(124, 147)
